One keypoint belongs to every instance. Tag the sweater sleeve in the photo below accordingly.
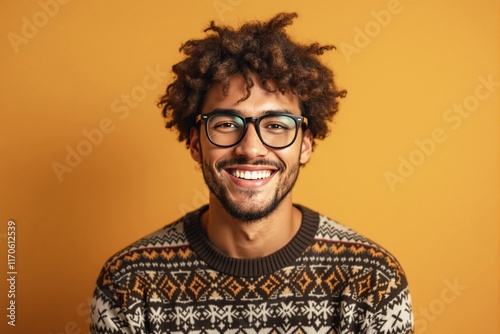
(394, 315)
(108, 313)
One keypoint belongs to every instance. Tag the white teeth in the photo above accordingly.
(253, 175)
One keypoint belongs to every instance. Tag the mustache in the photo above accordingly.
(244, 161)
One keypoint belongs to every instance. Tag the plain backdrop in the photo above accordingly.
(86, 166)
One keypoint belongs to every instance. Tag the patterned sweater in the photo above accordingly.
(328, 279)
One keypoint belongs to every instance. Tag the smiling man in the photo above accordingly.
(250, 103)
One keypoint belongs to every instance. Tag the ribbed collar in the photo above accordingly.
(250, 267)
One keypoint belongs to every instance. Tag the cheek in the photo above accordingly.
(290, 158)
(211, 155)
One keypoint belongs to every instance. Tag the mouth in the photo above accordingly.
(250, 174)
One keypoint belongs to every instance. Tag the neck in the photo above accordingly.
(251, 240)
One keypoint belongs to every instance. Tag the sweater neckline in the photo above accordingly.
(219, 261)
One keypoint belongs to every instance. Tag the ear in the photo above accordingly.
(194, 144)
(306, 149)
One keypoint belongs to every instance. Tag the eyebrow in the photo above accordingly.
(239, 113)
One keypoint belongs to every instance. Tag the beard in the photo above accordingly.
(253, 209)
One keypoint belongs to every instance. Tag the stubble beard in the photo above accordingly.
(257, 210)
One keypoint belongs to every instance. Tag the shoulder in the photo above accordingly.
(331, 230)
(346, 246)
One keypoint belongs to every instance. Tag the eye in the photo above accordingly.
(277, 124)
(225, 123)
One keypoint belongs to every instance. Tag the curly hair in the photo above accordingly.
(262, 48)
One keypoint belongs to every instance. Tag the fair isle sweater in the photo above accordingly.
(328, 279)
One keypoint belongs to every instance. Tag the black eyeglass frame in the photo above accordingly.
(299, 120)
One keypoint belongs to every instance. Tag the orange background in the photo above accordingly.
(67, 75)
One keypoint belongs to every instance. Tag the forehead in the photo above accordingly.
(259, 101)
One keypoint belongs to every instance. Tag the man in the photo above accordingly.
(250, 103)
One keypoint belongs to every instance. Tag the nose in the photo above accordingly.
(251, 146)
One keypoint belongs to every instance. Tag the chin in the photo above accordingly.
(251, 213)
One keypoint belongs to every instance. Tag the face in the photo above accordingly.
(250, 180)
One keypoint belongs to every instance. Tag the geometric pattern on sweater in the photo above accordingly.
(340, 283)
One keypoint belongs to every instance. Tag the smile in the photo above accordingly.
(251, 175)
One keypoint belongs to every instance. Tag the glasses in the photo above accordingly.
(225, 128)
